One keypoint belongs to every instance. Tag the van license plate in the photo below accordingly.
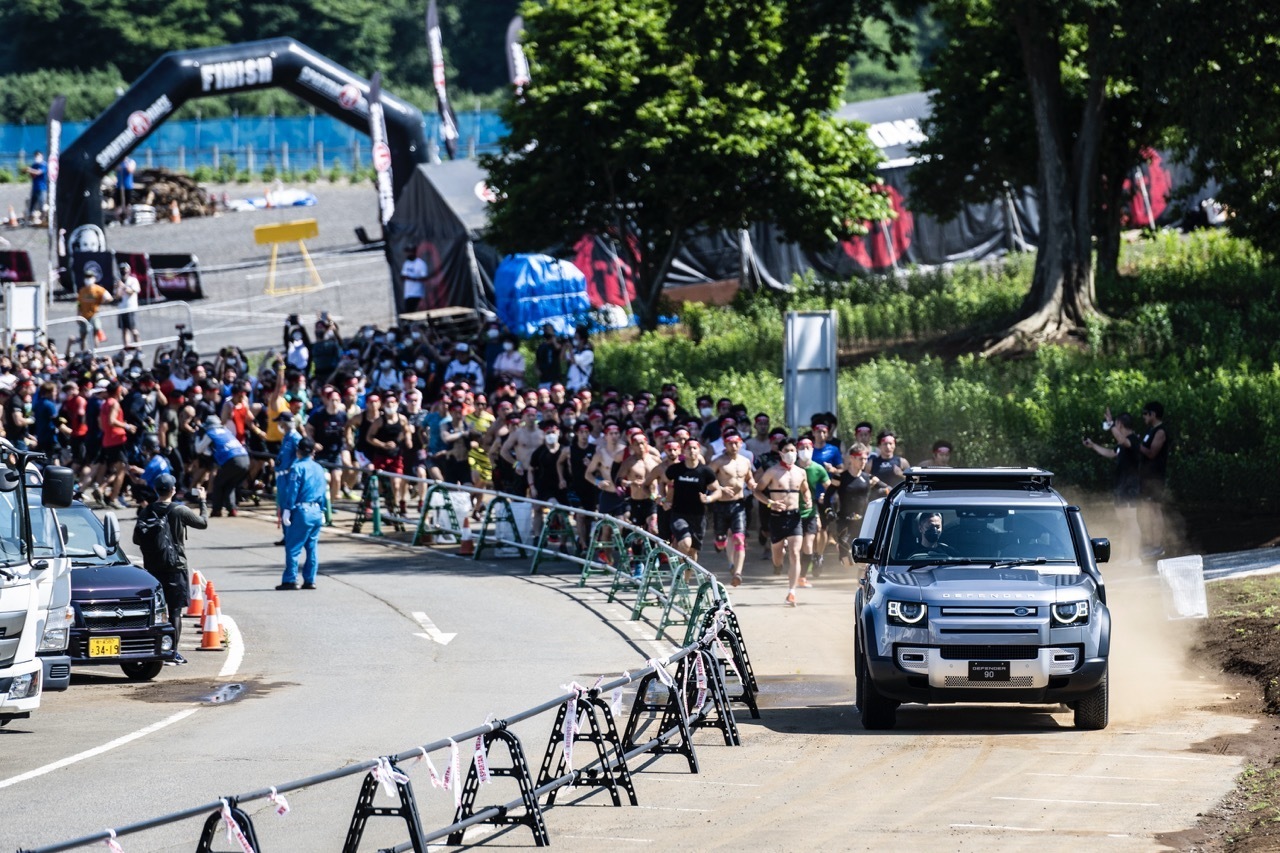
(105, 647)
(988, 670)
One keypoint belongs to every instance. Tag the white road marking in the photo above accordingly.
(701, 782)
(1110, 778)
(235, 648)
(1126, 755)
(432, 632)
(994, 826)
(98, 750)
(1076, 802)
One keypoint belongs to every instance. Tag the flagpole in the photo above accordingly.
(56, 112)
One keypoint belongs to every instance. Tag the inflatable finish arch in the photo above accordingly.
(178, 77)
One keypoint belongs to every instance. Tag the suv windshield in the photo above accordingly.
(84, 530)
(945, 533)
(46, 539)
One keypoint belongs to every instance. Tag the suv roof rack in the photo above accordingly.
(921, 479)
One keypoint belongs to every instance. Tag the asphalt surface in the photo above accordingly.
(341, 675)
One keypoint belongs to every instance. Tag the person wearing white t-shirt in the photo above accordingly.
(127, 295)
(414, 272)
(582, 360)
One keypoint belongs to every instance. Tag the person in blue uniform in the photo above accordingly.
(302, 494)
(287, 456)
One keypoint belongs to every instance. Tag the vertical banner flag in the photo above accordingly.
(56, 111)
(517, 64)
(381, 153)
(448, 121)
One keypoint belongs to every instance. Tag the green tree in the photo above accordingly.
(647, 118)
(1055, 95)
(1224, 97)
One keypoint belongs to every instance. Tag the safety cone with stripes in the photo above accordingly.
(211, 633)
(467, 545)
(12, 221)
(196, 607)
(175, 215)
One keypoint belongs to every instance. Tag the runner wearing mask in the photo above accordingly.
(784, 489)
(815, 538)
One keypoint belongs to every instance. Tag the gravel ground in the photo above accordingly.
(236, 311)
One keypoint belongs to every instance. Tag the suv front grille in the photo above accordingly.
(1015, 681)
(116, 615)
(989, 652)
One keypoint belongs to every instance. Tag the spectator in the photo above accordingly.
(127, 290)
(414, 273)
(89, 299)
(509, 364)
(464, 368)
(172, 572)
(1152, 476)
(581, 359)
(547, 358)
(38, 171)
(232, 460)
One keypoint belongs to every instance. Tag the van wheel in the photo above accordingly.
(1091, 709)
(142, 670)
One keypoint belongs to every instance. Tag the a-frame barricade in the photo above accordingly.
(519, 770)
(427, 525)
(720, 716)
(610, 770)
(407, 810)
(213, 826)
(609, 550)
(559, 521)
(730, 636)
(669, 703)
(657, 576)
(639, 548)
(679, 599)
(499, 524)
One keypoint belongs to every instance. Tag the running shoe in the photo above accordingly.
(736, 580)
(804, 583)
(791, 599)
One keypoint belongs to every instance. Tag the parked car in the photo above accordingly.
(120, 613)
(983, 586)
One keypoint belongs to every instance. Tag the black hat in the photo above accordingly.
(165, 484)
(306, 446)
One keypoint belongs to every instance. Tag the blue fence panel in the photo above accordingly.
(195, 142)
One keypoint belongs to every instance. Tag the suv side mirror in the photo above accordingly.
(9, 479)
(1101, 550)
(111, 531)
(58, 489)
(862, 550)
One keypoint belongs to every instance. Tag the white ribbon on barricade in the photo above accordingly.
(277, 799)
(660, 668)
(388, 776)
(615, 700)
(452, 778)
(700, 670)
(570, 728)
(112, 844)
(234, 832)
(478, 756)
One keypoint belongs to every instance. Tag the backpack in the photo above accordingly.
(153, 534)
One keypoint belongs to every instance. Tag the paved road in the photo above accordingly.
(339, 675)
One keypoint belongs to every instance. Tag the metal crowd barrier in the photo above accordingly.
(713, 673)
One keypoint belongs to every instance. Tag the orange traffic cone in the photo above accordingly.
(196, 607)
(175, 215)
(211, 638)
(467, 546)
(209, 594)
(13, 217)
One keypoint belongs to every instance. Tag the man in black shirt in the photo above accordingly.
(547, 358)
(688, 486)
(327, 427)
(1151, 474)
(175, 579)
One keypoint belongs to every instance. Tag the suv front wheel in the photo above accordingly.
(876, 711)
(142, 670)
(1091, 709)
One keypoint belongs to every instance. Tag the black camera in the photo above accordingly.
(292, 321)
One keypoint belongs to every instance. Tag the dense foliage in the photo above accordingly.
(1183, 336)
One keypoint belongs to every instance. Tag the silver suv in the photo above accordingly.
(982, 586)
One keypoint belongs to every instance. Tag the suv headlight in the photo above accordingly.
(1070, 613)
(160, 607)
(57, 631)
(908, 614)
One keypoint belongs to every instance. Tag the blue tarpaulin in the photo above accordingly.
(532, 290)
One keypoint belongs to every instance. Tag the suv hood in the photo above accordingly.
(121, 581)
(946, 584)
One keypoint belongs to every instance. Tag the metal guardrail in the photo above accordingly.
(143, 314)
(713, 672)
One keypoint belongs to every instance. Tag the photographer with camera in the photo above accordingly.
(297, 345)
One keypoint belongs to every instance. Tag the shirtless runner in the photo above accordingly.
(784, 489)
(733, 474)
(634, 475)
(520, 444)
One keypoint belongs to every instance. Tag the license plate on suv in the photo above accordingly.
(988, 670)
(104, 647)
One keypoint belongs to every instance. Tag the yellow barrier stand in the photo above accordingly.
(288, 232)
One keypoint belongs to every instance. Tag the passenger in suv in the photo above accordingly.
(982, 586)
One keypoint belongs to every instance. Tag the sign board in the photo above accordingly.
(24, 313)
(809, 366)
(286, 232)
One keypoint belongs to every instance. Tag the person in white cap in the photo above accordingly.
(464, 368)
(127, 291)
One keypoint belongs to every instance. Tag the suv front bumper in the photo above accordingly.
(929, 687)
